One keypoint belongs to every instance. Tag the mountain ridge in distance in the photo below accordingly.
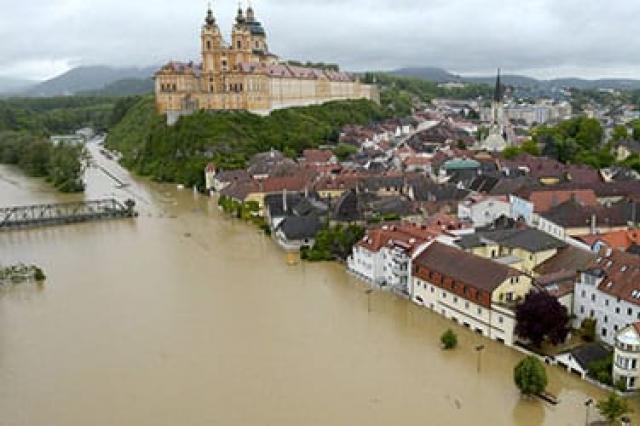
(87, 78)
(440, 75)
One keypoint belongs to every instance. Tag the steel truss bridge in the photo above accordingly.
(64, 213)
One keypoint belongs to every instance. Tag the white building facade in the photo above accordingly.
(626, 357)
(608, 293)
(482, 211)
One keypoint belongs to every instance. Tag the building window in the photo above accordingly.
(444, 295)
(617, 310)
(479, 311)
(584, 294)
(604, 332)
(582, 309)
(606, 319)
(239, 44)
(593, 297)
(208, 45)
(591, 313)
(455, 300)
(500, 319)
(629, 312)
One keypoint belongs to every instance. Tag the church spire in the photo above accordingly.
(497, 94)
(240, 17)
(250, 14)
(210, 20)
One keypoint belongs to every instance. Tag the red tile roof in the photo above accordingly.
(620, 240)
(317, 155)
(621, 274)
(545, 200)
(410, 235)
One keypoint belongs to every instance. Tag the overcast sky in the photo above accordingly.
(542, 38)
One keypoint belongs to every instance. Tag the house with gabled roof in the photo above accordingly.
(475, 292)
(608, 291)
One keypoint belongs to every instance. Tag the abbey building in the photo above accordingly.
(245, 75)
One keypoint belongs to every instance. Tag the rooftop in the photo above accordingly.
(475, 271)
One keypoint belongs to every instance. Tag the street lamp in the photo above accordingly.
(368, 293)
(587, 404)
(479, 349)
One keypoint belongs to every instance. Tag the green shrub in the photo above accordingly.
(601, 370)
(449, 339)
(530, 376)
(588, 329)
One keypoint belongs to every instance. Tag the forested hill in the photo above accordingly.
(227, 138)
(47, 116)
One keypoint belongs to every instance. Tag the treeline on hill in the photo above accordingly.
(610, 99)
(55, 115)
(400, 93)
(227, 138)
(27, 123)
(62, 164)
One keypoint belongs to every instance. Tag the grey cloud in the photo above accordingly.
(541, 37)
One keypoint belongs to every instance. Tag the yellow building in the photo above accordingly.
(522, 249)
(245, 75)
(475, 292)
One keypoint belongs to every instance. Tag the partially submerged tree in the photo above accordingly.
(530, 376)
(449, 339)
(542, 317)
(613, 407)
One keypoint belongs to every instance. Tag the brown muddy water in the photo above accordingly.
(185, 317)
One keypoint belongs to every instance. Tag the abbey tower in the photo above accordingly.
(245, 75)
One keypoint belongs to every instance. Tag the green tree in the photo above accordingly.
(636, 130)
(334, 243)
(619, 133)
(601, 370)
(613, 407)
(482, 133)
(344, 151)
(588, 329)
(530, 376)
(449, 339)
(578, 140)
(542, 317)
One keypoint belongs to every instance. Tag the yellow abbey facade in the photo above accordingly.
(245, 75)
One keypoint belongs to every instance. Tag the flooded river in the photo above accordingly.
(185, 317)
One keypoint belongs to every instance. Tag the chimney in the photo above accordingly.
(284, 201)
(593, 224)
